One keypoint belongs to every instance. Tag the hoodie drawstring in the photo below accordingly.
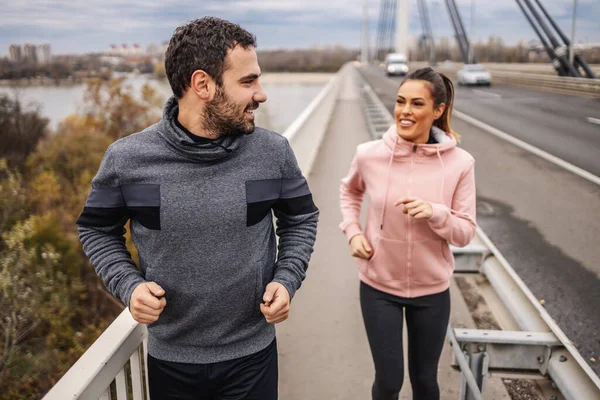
(387, 186)
(217, 144)
(437, 148)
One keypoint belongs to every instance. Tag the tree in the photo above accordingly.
(160, 70)
(52, 304)
(13, 205)
(36, 311)
(20, 130)
(112, 107)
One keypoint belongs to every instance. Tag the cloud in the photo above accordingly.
(94, 24)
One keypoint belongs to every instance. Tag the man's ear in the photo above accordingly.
(203, 85)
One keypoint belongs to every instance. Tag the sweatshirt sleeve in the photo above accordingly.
(297, 218)
(352, 191)
(101, 232)
(457, 224)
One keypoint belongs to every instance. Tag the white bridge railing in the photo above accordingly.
(113, 364)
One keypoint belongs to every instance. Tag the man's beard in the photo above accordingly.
(222, 117)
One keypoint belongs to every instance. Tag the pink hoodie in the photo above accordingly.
(411, 256)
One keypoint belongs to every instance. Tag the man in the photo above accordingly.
(199, 188)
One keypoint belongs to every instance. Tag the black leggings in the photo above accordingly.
(426, 321)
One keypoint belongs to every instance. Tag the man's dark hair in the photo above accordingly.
(202, 44)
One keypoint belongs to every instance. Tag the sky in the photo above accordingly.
(92, 25)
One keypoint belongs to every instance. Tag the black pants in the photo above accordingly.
(426, 321)
(253, 377)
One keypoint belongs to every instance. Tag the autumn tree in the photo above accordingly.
(21, 128)
(52, 304)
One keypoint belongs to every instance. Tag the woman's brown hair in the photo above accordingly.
(442, 91)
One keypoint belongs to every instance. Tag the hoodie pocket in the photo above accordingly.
(259, 289)
(430, 265)
(264, 276)
(389, 260)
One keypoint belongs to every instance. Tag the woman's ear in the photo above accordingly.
(439, 111)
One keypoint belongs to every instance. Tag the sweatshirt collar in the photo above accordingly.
(400, 147)
(176, 139)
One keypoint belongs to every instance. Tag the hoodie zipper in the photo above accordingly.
(409, 220)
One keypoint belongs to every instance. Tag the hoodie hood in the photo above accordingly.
(400, 147)
(180, 143)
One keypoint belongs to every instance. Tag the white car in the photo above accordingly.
(396, 64)
(396, 68)
(474, 74)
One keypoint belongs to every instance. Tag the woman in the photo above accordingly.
(421, 191)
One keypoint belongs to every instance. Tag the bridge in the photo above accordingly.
(500, 333)
(523, 304)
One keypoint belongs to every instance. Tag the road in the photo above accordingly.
(544, 220)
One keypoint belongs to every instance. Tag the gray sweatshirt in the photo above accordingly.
(202, 221)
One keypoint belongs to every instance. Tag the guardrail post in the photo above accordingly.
(479, 365)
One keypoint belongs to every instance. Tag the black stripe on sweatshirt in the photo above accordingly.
(290, 196)
(113, 206)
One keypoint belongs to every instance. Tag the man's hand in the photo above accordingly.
(416, 207)
(145, 305)
(360, 247)
(276, 306)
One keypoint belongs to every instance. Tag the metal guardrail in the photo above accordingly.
(560, 84)
(527, 68)
(376, 115)
(541, 346)
(116, 361)
(525, 75)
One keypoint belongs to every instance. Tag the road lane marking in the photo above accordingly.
(594, 120)
(496, 95)
(526, 146)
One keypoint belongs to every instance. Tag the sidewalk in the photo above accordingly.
(323, 349)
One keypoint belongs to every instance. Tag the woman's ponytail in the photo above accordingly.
(443, 122)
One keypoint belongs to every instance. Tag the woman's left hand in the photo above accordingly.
(416, 207)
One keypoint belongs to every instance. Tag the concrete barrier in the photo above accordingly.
(306, 132)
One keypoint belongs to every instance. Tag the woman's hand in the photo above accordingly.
(416, 207)
(360, 247)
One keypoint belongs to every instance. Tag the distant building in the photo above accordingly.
(152, 49)
(30, 52)
(136, 50)
(43, 54)
(112, 59)
(15, 53)
(112, 50)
